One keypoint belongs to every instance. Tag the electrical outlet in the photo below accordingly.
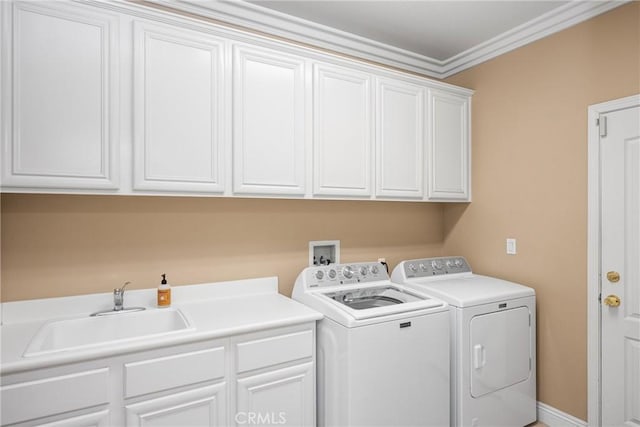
(511, 246)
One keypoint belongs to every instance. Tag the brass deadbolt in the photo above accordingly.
(613, 276)
(612, 301)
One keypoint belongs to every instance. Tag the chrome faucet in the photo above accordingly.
(118, 297)
(118, 303)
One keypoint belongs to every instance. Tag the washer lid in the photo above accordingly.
(470, 290)
(376, 301)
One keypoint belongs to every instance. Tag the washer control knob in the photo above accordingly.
(423, 267)
(437, 265)
(347, 272)
(319, 274)
(374, 269)
(332, 274)
(449, 263)
(364, 270)
(458, 262)
(413, 268)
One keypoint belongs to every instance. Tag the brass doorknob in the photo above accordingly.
(613, 276)
(612, 301)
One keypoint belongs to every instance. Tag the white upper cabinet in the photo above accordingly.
(342, 131)
(449, 148)
(59, 96)
(123, 98)
(400, 139)
(269, 122)
(178, 109)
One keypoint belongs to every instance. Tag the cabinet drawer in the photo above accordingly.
(50, 396)
(273, 350)
(163, 373)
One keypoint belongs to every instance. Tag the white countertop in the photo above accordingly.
(215, 310)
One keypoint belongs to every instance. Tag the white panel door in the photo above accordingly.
(282, 397)
(400, 139)
(204, 406)
(60, 108)
(178, 109)
(449, 147)
(342, 133)
(620, 267)
(269, 122)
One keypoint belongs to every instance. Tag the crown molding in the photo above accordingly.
(549, 23)
(271, 22)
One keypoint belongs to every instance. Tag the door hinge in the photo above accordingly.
(601, 122)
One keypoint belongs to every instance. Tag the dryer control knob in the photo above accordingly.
(319, 274)
(423, 267)
(364, 270)
(458, 262)
(374, 269)
(332, 274)
(437, 265)
(347, 272)
(413, 268)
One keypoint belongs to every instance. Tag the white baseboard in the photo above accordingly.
(553, 417)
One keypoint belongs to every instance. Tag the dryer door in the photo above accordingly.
(500, 350)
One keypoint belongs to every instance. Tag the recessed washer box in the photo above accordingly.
(324, 252)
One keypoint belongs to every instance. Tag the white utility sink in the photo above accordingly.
(83, 332)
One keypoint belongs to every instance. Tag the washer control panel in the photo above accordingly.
(435, 266)
(344, 274)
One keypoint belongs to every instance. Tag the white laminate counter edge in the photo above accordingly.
(216, 310)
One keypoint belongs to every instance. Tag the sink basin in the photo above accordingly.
(80, 333)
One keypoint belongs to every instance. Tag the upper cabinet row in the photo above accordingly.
(119, 99)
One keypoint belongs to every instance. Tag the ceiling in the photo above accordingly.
(437, 38)
(437, 29)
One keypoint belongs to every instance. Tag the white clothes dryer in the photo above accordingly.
(493, 340)
(382, 348)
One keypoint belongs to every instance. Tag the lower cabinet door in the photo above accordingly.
(282, 397)
(204, 406)
(93, 419)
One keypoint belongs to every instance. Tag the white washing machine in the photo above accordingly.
(493, 340)
(382, 348)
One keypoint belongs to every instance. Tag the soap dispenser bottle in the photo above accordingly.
(164, 293)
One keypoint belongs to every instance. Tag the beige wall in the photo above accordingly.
(54, 245)
(530, 180)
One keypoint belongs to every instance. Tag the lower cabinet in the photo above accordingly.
(203, 406)
(92, 419)
(275, 378)
(40, 396)
(261, 378)
(280, 397)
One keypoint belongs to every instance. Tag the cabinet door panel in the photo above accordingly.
(449, 147)
(94, 419)
(284, 397)
(268, 122)
(342, 132)
(63, 76)
(148, 376)
(82, 390)
(400, 139)
(178, 103)
(200, 407)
